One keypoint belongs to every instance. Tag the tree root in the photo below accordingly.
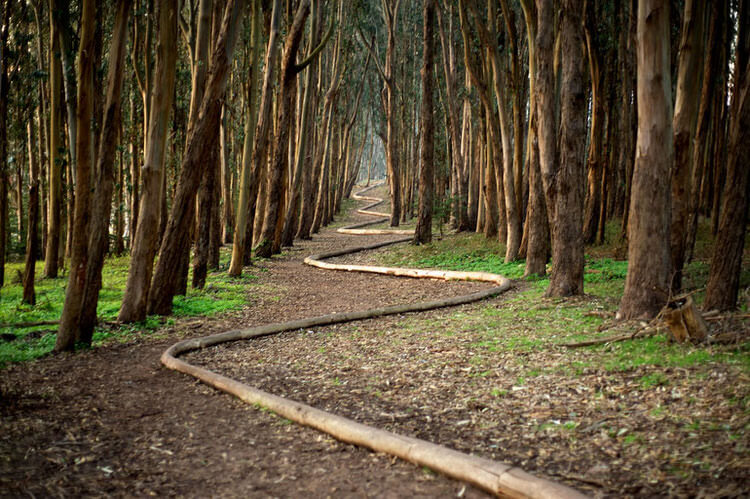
(494, 477)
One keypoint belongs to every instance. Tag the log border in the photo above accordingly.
(497, 478)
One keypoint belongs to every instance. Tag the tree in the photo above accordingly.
(562, 182)
(54, 204)
(104, 174)
(537, 241)
(647, 282)
(200, 68)
(270, 238)
(249, 171)
(163, 288)
(726, 262)
(683, 124)
(32, 237)
(7, 5)
(135, 298)
(423, 231)
(390, 16)
(67, 332)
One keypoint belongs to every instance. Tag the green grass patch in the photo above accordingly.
(528, 323)
(221, 293)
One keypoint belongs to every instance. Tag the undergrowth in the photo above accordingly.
(221, 293)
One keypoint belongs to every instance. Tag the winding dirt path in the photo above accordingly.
(113, 422)
(497, 478)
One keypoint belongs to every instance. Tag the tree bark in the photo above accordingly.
(32, 237)
(423, 231)
(135, 298)
(54, 204)
(683, 125)
(647, 282)
(101, 206)
(299, 177)
(563, 184)
(453, 105)
(205, 197)
(197, 153)
(67, 334)
(390, 12)
(4, 138)
(726, 262)
(537, 246)
(256, 135)
(270, 239)
(595, 161)
(227, 213)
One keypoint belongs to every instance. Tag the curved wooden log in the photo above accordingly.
(494, 477)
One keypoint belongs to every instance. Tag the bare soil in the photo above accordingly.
(113, 422)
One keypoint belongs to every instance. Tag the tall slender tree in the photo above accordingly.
(649, 268)
(423, 231)
(163, 288)
(726, 262)
(134, 301)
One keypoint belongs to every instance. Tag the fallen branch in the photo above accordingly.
(641, 333)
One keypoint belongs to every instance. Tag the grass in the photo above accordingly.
(221, 293)
(527, 322)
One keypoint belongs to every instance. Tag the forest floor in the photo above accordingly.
(486, 378)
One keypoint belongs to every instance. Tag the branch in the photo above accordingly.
(386, 80)
(310, 58)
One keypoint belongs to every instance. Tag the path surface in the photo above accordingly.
(114, 422)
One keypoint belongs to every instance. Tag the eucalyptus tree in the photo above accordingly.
(726, 262)
(135, 298)
(649, 268)
(423, 231)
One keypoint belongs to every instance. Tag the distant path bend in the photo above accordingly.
(497, 478)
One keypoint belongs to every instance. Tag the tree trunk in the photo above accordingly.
(595, 162)
(537, 246)
(4, 139)
(227, 214)
(544, 97)
(135, 175)
(68, 332)
(683, 124)
(256, 135)
(390, 13)
(452, 107)
(299, 177)
(205, 206)
(101, 206)
(423, 231)
(726, 262)
(270, 239)
(54, 205)
(135, 298)
(65, 32)
(196, 155)
(647, 282)
(563, 185)
(707, 112)
(32, 237)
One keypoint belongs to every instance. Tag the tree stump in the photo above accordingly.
(685, 321)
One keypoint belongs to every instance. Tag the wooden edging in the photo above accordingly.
(494, 477)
